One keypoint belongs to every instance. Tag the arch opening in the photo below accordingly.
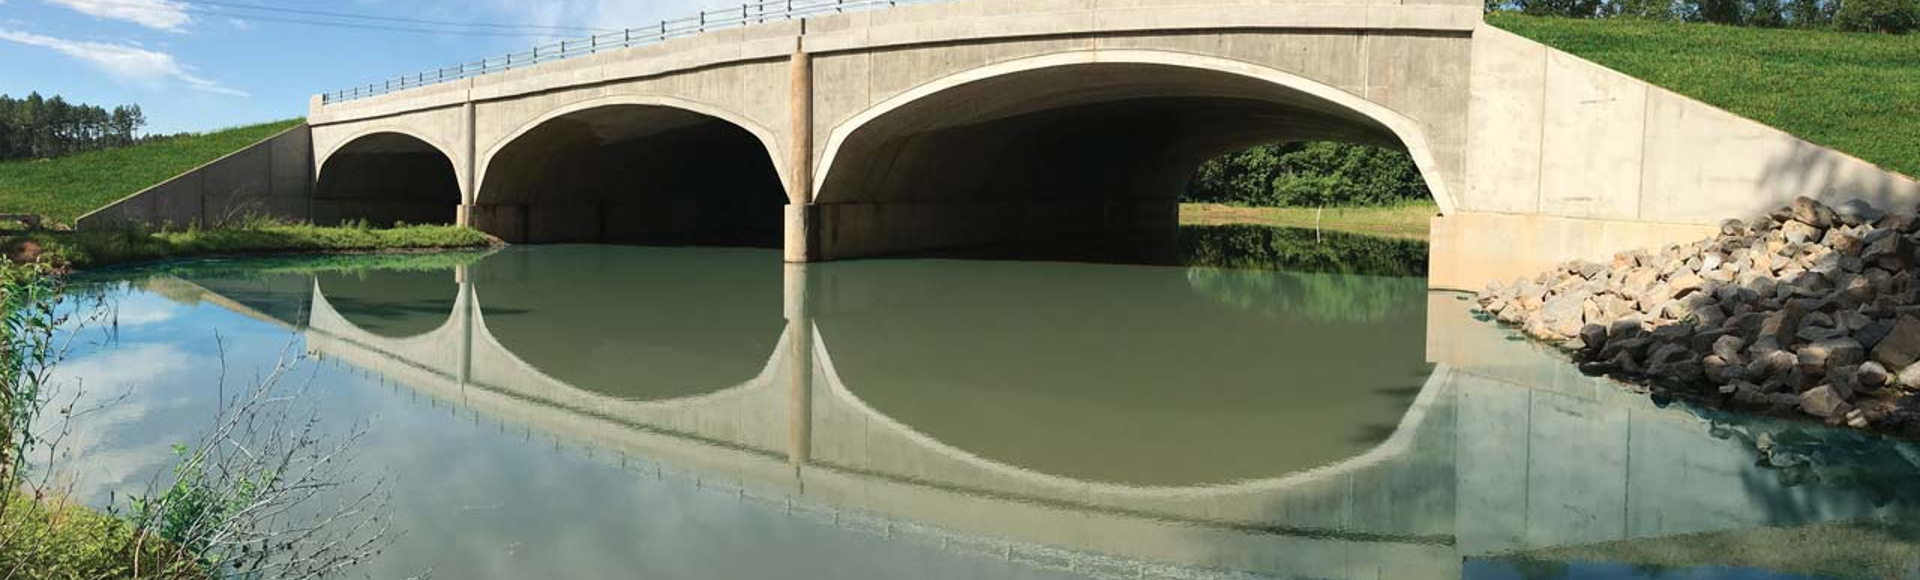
(1079, 159)
(387, 178)
(633, 174)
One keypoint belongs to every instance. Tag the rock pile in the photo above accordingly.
(1810, 309)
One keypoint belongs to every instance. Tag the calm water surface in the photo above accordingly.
(621, 412)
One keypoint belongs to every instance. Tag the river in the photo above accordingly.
(631, 412)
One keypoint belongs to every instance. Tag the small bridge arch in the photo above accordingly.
(386, 174)
(633, 168)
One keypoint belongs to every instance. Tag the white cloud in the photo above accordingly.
(155, 14)
(143, 309)
(107, 449)
(126, 62)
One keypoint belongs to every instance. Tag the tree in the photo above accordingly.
(1309, 174)
(50, 126)
(1809, 13)
(1888, 16)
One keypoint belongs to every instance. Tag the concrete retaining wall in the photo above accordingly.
(270, 178)
(1572, 160)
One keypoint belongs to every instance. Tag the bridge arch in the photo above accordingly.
(633, 168)
(386, 174)
(1083, 142)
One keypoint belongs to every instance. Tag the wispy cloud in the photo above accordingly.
(127, 62)
(155, 14)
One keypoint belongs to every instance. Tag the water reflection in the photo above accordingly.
(1049, 419)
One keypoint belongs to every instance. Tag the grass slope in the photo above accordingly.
(86, 249)
(63, 188)
(1858, 93)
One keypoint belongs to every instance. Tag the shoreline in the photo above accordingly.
(1809, 311)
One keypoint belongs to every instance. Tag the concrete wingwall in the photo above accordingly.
(270, 178)
(1569, 159)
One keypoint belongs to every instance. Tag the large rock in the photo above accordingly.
(1823, 402)
(1855, 212)
(1796, 232)
(1811, 212)
(1821, 357)
(1901, 347)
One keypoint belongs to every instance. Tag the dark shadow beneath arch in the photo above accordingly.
(636, 175)
(392, 304)
(387, 178)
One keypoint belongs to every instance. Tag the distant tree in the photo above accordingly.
(1309, 174)
(1766, 13)
(1716, 11)
(1889, 16)
(39, 126)
(1809, 13)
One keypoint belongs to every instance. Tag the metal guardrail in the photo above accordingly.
(705, 21)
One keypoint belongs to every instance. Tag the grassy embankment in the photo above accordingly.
(1851, 92)
(93, 249)
(63, 189)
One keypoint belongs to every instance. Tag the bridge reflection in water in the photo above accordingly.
(916, 399)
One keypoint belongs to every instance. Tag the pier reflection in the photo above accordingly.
(1119, 421)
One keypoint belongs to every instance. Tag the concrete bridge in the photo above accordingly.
(1503, 450)
(967, 123)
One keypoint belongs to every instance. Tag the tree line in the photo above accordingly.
(41, 127)
(1886, 16)
(1309, 174)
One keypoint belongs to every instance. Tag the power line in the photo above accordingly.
(222, 9)
(358, 26)
(385, 18)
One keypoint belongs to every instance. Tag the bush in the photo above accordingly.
(1890, 16)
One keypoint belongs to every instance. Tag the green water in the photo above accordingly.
(600, 412)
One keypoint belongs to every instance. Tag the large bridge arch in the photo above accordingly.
(633, 168)
(1077, 144)
(386, 174)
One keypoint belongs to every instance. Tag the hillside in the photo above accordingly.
(1857, 93)
(63, 188)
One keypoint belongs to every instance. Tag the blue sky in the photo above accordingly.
(195, 65)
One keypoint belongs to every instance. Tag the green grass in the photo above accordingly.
(64, 188)
(53, 540)
(1858, 93)
(1407, 222)
(88, 249)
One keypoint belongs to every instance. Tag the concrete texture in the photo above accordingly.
(1468, 249)
(1552, 134)
(937, 126)
(268, 178)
